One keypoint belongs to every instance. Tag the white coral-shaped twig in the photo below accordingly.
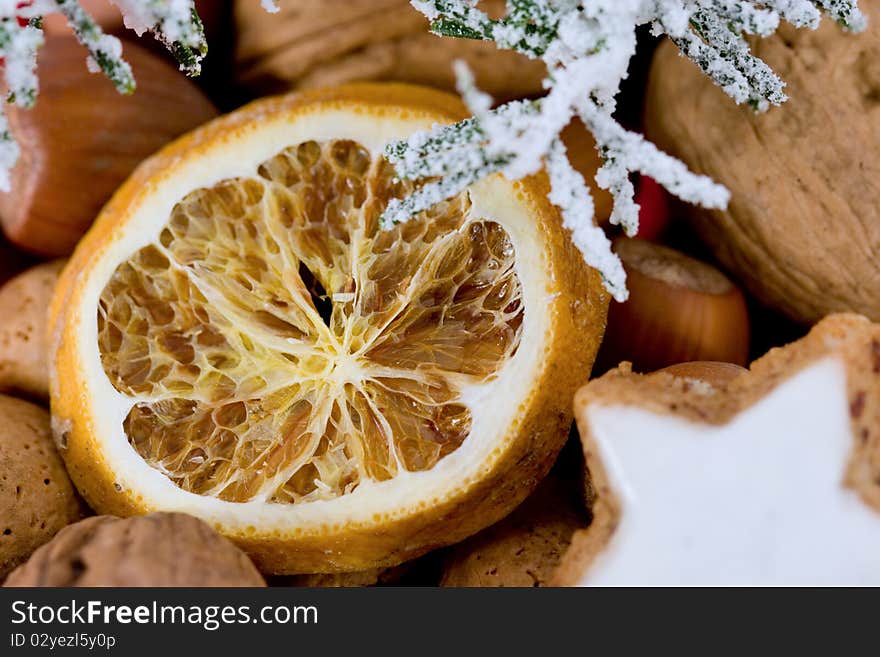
(587, 46)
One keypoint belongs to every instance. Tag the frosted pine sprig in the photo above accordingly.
(105, 51)
(174, 23)
(587, 46)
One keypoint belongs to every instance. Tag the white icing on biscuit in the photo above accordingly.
(758, 501)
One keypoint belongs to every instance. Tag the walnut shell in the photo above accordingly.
(525, 548)
(24, 304)
(36, 497)
(159, 549)
(803, 227)
(318, 43)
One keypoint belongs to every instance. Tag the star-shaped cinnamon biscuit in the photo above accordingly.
(772, 478)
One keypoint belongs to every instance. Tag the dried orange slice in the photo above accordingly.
(239, 340)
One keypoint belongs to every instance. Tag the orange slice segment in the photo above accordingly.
(238, 339)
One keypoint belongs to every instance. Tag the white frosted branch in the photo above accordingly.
(9, 152)
(587, 46)
(570, 194)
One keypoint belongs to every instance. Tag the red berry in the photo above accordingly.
(19, 5)
(654, 208)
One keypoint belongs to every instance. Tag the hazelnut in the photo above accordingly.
(679, 310)
(82, 140)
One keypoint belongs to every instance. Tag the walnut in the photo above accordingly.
(36, 496)
(24, 307)
(159, 549)
(319, 43)
(803, 226)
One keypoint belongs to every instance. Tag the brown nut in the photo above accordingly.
(83, 139)
(320, 43)
(679, 310)
(525, 548)
(159, 549)
(36, 497)
(24, 304)
(803, 225)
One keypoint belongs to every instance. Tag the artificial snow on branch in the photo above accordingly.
(174, 23)
(587, 46)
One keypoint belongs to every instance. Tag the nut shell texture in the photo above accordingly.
(36, 496)
(24, 303)
(82, 140)
(160, 549)
(803, 227)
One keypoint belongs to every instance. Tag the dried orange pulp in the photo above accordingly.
(237, 338)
